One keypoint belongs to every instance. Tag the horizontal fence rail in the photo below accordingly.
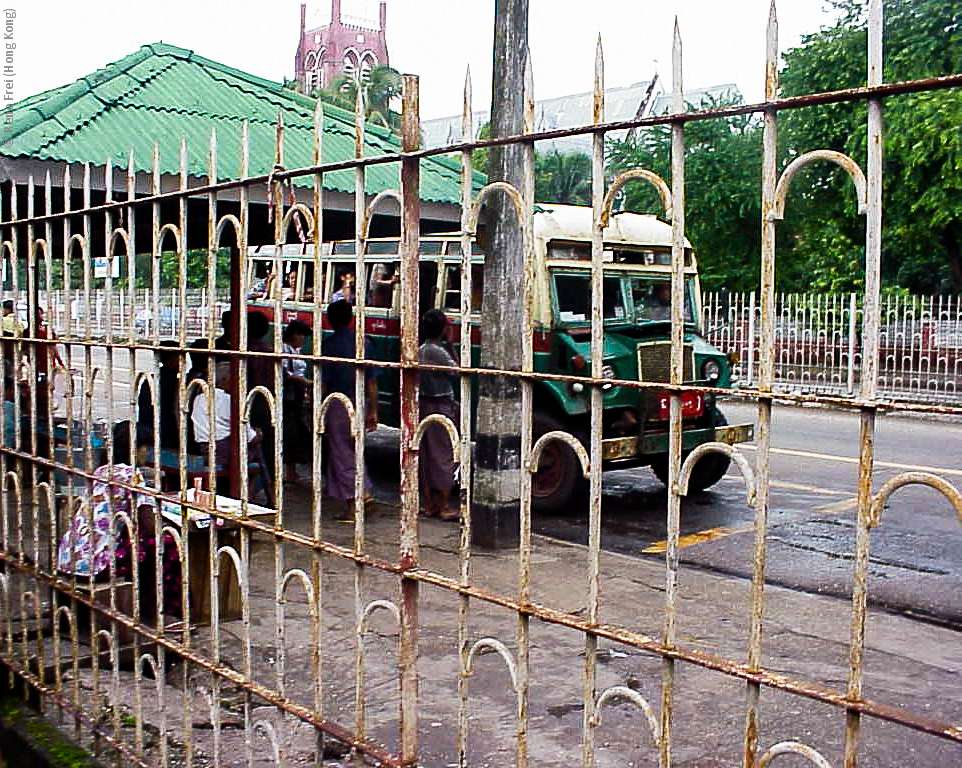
(226, 617)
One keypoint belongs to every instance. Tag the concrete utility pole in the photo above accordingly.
(496, 509)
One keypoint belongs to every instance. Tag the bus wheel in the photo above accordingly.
(710, 468)
(558, 481)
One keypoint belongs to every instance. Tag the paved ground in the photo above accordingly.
(806, 636)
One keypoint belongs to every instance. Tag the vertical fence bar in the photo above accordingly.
(852, 330)
(464, 548)
(597, 349)
(361, 283)
(408, 554)
(750, 342)
(527, 406)
(766, 381)
(321, 290)
(676, 378)
(280, 236)
(873, 234)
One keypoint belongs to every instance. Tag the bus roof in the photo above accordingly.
(561, 222)
(552, 221)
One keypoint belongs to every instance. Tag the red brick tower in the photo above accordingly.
(346, 45)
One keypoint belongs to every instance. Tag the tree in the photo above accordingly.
(922, 193)
(722, 192)
(379, 87)
(562, 177)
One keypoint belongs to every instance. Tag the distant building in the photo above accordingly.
(636, 101)
(346, 44)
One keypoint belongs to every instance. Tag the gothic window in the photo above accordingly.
(350, 63)
(368, 62)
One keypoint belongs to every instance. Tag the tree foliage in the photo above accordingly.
(562, 177)
(722, 192)
(922, 184)
(821, 241)
(379, 88)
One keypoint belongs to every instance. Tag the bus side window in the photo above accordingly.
(342, 282)
(384, 276)
(452, 289)
(307, 281)
(260, 273)
(477, 286)
(427, 286)
(289, 284)
(452, 292)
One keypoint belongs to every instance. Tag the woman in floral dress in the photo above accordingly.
(85, 551)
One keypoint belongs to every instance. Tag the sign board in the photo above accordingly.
(100, 267)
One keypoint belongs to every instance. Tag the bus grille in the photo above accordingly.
(654, 362)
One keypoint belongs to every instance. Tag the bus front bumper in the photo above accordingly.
(626, 449)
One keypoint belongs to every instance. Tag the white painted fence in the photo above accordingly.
(71, 312)
(818, 343)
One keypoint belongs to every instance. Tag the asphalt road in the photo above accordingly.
(916, 551)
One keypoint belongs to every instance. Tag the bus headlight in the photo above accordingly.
(711, 371)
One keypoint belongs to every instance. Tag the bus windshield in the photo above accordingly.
(573, 294)
(651, 298)
(627, 298)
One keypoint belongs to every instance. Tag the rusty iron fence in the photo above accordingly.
(818, 344)
(50, 465)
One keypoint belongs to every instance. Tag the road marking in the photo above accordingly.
(852, 460)
(789, 486)
(693, 538)
(709, 534)
(839, 506)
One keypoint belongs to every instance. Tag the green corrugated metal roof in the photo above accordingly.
(161, 92)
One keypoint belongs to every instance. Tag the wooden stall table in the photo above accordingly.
(198, 551)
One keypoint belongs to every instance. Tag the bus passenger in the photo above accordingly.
(345, 288)
(262, 276)
(339, 377)
(383, 280)
(289, 289)
(436, 459)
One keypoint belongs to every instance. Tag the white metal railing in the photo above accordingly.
(63, 311)
(818, 342)
(817, 336)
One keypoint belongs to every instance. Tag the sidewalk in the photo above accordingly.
(805, 637)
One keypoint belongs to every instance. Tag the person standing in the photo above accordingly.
(166, 395)
(260, 373)
(297, 431)
(339, 473)
(10, 322)
(435, 457)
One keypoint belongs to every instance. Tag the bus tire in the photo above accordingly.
(710, 468)
(559, 481)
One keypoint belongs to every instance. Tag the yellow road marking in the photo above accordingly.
(853, 460)
(716, 533)
(692, 538)
(737, 478)
(839, 506)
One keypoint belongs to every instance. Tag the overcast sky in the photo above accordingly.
(59, 41)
